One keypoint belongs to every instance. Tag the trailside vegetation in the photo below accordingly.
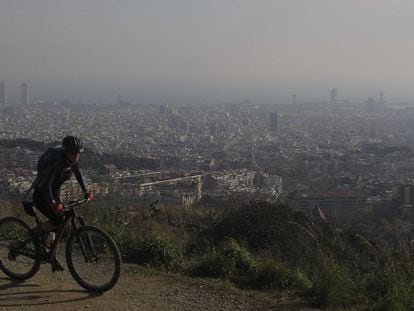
(271, 247)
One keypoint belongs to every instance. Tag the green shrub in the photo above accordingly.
(239, 256)
(214, 264)
(154, 251)
(234, 261)
(302, 280)
(157, 252)
(387, 304)
(272, 274)
(265, 226)
(230, 260)
(127, 243)
(392, 288)
(333, 286)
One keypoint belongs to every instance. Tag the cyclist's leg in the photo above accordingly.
(47, 210)
(44, 229)
(54, 219)
(54, 248)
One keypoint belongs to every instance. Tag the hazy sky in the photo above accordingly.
(208, 50)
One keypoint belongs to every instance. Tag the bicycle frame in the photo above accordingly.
(72, 216)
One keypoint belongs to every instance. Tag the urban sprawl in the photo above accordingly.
(332, 160)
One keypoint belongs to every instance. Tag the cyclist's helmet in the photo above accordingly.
(72, 144)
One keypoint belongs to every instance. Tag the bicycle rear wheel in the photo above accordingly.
(19, 249)
(93, 259)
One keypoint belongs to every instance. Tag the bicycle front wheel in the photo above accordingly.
(93, 259)
(19, 249)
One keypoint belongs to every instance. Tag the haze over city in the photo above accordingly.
(207, 51)
(221, 146)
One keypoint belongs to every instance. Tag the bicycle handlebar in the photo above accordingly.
(71, 205)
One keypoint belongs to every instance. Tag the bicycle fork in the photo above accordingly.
(87, 248)
(85, 241)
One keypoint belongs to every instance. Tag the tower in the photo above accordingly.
(3, 93)
(25, 94)
(294, 99)
(213, 128)
(274, 122)
(334, 97)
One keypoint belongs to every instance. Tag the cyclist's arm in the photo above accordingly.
(79, 178)
(51, 175)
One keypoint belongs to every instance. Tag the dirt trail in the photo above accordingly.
(136, 290)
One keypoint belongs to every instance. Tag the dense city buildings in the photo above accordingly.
(330, 160)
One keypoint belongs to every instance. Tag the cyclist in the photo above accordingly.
(55, 167)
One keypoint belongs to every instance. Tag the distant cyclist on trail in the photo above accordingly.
(55, 167)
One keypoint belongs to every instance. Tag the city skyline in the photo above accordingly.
(21, 96)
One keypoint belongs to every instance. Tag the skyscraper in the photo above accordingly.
(274, 122)
(294, 99)
(334, 97)
(25, 94)
(382, 101)
(213, 128)
(3, 93)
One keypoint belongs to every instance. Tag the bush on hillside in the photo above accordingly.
(153, 251)
(392, 287)
(239, 256)
(265, 226)
(213, 265)
(157, 252)
(333, 286)
(228, 261)
(272, 274)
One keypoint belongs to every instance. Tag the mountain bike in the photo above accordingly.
(92, 256)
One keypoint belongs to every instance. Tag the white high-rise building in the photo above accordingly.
(3, 93)
(334, 97)
(25, 94)
(274, 122)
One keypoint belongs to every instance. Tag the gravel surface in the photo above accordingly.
(137, 289)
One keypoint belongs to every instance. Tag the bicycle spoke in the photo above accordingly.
(94, 259)
(18, 252)
(93, 270)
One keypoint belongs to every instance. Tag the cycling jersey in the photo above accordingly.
(52, 173)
